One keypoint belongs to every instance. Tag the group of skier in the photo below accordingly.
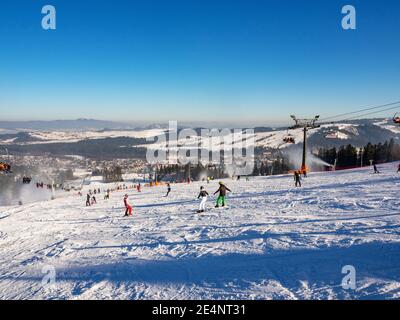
(203, 195)
(90, 200)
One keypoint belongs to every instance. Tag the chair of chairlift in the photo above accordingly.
(396, 119)
(289, 139)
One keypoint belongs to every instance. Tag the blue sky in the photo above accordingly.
(196, 60)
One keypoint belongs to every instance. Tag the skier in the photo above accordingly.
(128, 206)
(398, 168)
(88, 200)
(94, 200)
(168, 189)
(203, 195)
(139, 187)
(297, 178)
(376, 169)
(222, 194)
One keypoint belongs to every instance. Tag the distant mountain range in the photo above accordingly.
(78, 124)
(88, 137)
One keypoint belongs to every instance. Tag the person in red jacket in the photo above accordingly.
(128, 206)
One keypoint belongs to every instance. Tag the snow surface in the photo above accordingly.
(389, 125)
(273, 242)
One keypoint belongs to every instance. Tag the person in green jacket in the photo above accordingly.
(222, 194)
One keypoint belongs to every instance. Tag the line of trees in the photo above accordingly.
(350, 156)
(112, 174)
(176, 172)
(278, 166)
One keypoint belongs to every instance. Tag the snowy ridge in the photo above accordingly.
(273, 242)
(339, 133)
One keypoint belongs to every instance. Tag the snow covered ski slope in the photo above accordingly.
(273, 242)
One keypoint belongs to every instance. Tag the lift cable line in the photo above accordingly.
(362, 110)
(370, 113)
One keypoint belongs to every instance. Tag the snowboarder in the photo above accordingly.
(203, 195)
(222, 194)
(376, 169)
(297, 178)
(168, 189)
(128, 206)
(88, 200)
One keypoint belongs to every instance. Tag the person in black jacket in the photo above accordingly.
(168, 189)
(88, 200)
(203, 195)
(222, 194)
(297, 178)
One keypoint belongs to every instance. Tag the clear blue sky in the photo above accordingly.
(227, 60)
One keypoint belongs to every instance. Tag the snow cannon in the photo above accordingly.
(5, 167)
(304, 169)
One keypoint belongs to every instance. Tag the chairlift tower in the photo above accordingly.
(304, 124)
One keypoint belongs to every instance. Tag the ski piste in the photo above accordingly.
(267, 244)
